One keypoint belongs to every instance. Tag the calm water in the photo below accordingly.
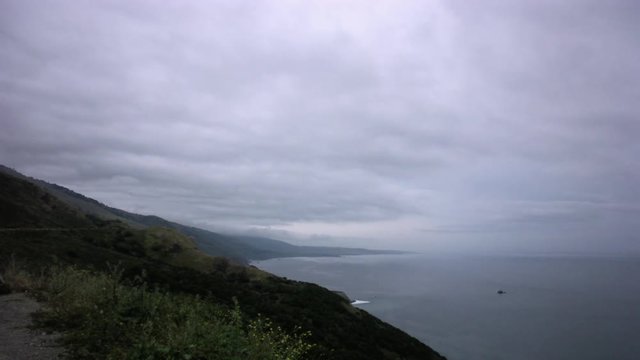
(554, 307)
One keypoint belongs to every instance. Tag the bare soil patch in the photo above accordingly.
(17, 340)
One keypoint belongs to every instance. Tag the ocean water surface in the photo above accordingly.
(554, 307)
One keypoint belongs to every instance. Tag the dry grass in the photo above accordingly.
(15, 277)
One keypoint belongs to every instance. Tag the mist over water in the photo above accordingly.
(555, 307)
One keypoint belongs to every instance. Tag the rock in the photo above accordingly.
(342, 294)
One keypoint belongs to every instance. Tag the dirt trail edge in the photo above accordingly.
(17, 341)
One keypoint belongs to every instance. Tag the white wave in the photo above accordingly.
(359, 302)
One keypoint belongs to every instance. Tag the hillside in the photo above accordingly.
(39, 229)
(241, 249)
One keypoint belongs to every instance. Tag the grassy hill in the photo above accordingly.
(241, 249)
(40, 230)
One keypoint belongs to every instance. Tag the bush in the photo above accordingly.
(13, 277)
(104, 317)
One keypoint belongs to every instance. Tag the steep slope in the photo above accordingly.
(39, 229)
(29, 209)
(25, 205)
(241, 249)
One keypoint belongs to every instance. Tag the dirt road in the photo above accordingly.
(17, 342)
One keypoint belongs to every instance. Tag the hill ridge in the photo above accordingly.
(167, 260)
(241, 248)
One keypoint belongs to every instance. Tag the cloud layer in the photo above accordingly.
(437, 124)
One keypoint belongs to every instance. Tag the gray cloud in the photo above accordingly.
(440, 124)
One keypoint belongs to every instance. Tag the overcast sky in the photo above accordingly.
(436, 125)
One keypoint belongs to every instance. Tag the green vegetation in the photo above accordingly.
(241, 249)
(105, 317)
(44, 232)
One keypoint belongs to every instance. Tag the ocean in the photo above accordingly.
(553, 308)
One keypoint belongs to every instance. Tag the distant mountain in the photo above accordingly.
(41, 228)
(239, 248)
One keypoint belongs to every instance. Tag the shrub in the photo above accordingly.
(104, 317)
